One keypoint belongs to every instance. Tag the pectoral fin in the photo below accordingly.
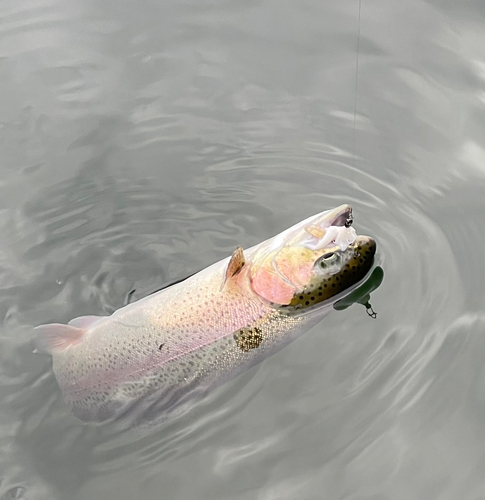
(235, 264)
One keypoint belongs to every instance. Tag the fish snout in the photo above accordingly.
(365, 248)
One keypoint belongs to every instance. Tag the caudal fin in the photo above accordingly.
(56, 337)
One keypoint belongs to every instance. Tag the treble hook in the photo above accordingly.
(372, 314)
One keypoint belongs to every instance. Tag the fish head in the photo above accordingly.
(311, 262)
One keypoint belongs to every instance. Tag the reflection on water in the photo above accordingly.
(140, 145)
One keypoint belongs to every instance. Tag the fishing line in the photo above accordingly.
(357, 76)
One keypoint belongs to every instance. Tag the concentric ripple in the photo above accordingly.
(142, 143)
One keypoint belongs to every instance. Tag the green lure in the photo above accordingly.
(361, 295)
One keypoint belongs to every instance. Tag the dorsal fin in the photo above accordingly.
(84, 322)
(236, 263)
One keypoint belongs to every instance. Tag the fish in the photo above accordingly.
(170, 348)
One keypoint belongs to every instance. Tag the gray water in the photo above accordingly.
(140, 142)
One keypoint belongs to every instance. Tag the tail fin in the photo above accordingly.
(56, 337)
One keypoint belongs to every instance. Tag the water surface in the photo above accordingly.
(142, 142)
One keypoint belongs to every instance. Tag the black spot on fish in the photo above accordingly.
(247, 339)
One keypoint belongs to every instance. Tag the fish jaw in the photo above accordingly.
(310, 233)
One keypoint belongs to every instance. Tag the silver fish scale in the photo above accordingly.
(177, 342)
(201, 370)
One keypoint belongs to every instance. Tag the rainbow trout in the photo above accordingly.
(164, 350)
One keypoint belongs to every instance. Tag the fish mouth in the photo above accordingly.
(368, 244)
(341, 216)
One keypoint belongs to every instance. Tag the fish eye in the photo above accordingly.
(328, 259)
